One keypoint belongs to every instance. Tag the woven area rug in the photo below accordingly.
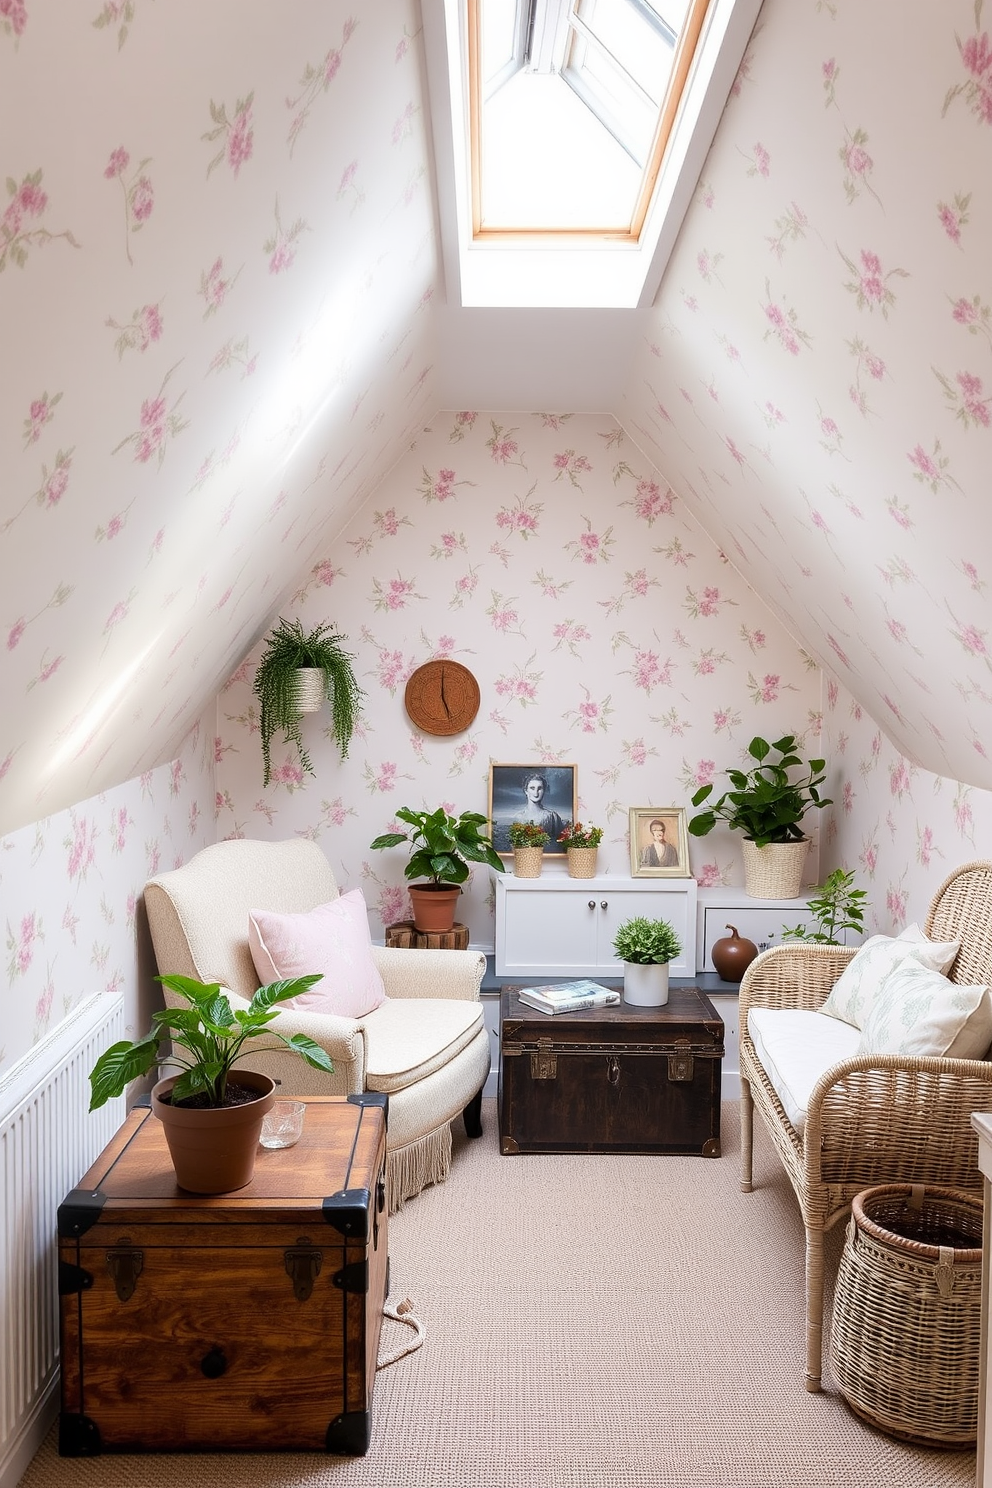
(628, 1321)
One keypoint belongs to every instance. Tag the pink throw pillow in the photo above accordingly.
(333, 939)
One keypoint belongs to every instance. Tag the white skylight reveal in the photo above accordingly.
(569, 136)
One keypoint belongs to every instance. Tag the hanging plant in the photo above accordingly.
(288, 650)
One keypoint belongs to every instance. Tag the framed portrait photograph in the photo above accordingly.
(659, 842)
(545, 794)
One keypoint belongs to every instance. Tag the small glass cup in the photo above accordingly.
(283, 1124)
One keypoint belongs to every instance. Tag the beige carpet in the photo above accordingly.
(628, 1321)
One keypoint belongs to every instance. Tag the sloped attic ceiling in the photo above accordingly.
(816, 379)
(220, 278)
(218, 259)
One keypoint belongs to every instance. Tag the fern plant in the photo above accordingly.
(288, 648)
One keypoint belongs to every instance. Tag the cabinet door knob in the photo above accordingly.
(603, 904)
(592, 904)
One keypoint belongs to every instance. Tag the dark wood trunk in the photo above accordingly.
(611, 1079)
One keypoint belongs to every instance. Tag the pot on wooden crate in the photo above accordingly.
(433, 905)
(213, 1147)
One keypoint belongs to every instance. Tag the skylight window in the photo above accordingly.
(569, 136)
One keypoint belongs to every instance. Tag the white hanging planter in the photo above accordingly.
(309, 691)
(645, 985)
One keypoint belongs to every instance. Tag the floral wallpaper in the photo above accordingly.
(605, 629)
(217, 265)
(70, 889)
(816, 382)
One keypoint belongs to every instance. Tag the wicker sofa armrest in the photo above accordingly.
(408, 972)
(798, 975)
(897, 1118)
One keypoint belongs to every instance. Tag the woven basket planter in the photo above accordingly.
(309, 690)
(582, 862)
(905, 1338)
(774, 871)
(527, 862)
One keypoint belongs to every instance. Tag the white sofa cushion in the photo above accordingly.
(332, 939)
(795, 1048)
(408, 1038)
(854, 992)
(918, 1011)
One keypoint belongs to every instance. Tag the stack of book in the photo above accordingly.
(567, 997)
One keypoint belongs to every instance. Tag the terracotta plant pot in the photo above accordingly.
(213, 1147)
(582, 862)
(527, 862)
(645, 985)
(434, 905)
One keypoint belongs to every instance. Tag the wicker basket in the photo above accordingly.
(905, 1338)
(774, 871)
(527, 862)
(582, 862)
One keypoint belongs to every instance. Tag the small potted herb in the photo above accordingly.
(528, 841)
(837, 907)
(298, 671)
(646, 947)
(212, 1113)
(441, 848)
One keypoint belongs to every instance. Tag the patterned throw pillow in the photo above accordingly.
(918, 1011)
(854, 992)
(333, 939)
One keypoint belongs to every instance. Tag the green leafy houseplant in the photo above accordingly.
(837, 907)
(288, 648)
(442, 846)
(528, 834)
(646, 942)
(576, 835)
(766, 803)
(212, 1036)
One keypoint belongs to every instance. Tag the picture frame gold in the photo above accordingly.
(659, 832)
(509, 801)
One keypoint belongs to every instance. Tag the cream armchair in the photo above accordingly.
(869, 1119)
(426, 1047)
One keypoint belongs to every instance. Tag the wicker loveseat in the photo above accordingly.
(871, 1119)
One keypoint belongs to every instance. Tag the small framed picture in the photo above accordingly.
(546, 794)
(659, 842)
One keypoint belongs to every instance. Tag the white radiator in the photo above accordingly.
(48, 1139)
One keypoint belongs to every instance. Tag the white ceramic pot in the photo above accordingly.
(645, 986)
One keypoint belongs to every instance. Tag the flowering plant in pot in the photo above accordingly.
(528, 841)
(297, 672)
(646, 947)
(580, 844)
(209, 1101)
(441, 848)
(767, 803)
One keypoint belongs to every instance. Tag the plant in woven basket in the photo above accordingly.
(836, 908)
(576, 835)
(767, 803)
(646, 942)
(528, 834)
(288, 650)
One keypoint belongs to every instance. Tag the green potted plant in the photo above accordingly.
(767, 803)
(836, 907)
(528, 841)
(581, 844)
(646, 947)
(298, 671)
(441, 848)
(212, 1114)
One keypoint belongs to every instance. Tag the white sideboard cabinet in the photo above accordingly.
(557, 926)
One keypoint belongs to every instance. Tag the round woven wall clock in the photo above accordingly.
(442, 697)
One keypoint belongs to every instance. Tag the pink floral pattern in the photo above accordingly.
(236, 133)
(20, 228)
(137, 190)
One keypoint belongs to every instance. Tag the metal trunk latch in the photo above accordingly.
(613, 1069)
(303, 1264)
(680, 1061)
(124, 1265)
(543, 1061)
